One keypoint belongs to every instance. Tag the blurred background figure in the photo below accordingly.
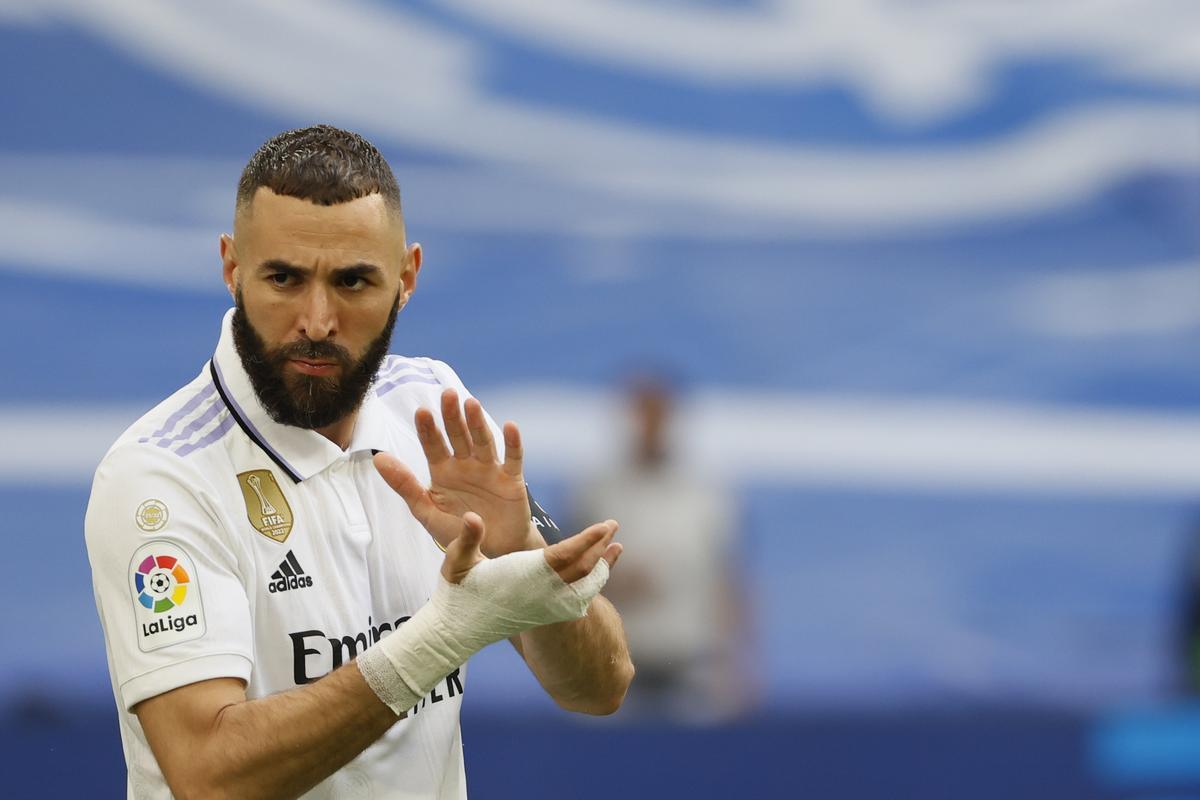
(678, 588)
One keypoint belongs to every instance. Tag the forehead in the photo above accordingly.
(301, 232)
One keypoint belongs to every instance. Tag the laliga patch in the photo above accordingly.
(166, 597)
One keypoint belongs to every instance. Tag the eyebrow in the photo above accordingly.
(361, 269)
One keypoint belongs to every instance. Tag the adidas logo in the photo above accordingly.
(290, 575)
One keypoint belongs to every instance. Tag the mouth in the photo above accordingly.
(308, 367)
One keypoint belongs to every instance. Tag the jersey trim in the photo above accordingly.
(394, 364)
(245, 424)
(173, 421)
(383, 389)
(180, 673)
(214, 435)
(398, 371)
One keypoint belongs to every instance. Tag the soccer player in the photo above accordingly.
(291, 561)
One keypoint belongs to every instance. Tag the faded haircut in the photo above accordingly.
(322, 164)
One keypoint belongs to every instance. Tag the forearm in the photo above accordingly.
(211, 742)
(286, 743)
(583, 664)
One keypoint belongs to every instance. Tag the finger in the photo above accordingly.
(574, 557)
(583, 565)
(605, 548)
(404, 483)
(612, 553)
(571, 548)
(481, 432)
(438, 524)
(514, 455)
(463, 553)
(432, 441)
(456, 426)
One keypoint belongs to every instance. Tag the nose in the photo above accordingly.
(318, 317)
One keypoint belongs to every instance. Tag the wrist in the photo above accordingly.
(533, 538)
(405, 664)
(533, 541)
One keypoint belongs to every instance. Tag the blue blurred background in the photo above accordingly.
(927, 270)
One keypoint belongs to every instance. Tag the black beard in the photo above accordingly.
(308, 401)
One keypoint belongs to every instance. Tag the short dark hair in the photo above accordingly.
(322, 164)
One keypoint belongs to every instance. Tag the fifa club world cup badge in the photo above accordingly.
(266, 507)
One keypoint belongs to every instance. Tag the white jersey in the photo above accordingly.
(224, 544)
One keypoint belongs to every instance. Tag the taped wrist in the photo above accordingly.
(498, 598)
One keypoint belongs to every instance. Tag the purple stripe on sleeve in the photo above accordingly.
(193, 426)
(210, 437)
(398, 365)
(380, 391)
(188, 408)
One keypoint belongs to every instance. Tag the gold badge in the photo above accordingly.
(266, 507)
(151, 515)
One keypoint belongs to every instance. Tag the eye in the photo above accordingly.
(281, 278)
(353, 282)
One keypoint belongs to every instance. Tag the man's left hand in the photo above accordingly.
(466, 476)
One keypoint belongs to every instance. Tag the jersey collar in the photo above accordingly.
(299, 452)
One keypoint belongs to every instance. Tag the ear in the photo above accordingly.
(409, 271)
(229, 263)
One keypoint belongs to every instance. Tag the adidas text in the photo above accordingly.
(293, 582)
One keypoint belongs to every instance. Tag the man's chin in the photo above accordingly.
(300, 418)
(300, 385)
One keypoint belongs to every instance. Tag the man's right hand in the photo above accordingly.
(571, 559)
(484, 600)
(478, 601)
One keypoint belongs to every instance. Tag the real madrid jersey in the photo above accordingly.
(224, 544)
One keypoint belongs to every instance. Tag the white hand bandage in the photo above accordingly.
(499, 598)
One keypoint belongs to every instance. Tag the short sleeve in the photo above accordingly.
(167, 584)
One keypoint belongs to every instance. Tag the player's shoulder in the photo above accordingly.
(189, 421)
(401, 380)
(158, 466)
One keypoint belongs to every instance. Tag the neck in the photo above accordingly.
(342, 431)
